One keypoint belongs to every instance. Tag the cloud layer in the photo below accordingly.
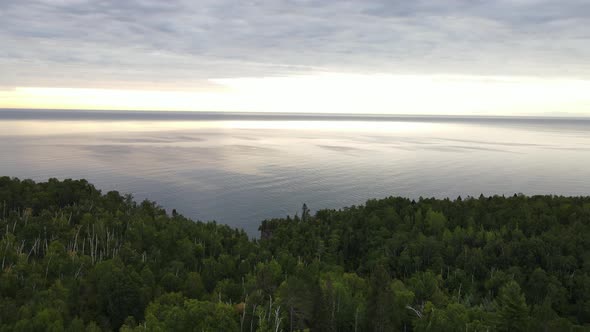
(154, 43)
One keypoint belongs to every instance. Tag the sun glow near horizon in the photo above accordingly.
(332, 93)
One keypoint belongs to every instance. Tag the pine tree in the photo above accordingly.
(512, 312)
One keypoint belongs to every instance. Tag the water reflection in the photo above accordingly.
(240, 172)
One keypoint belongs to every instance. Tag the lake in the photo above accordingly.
(239, 169)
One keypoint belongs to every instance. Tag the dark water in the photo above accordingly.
(242, 168)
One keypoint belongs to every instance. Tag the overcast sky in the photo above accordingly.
(261, 55)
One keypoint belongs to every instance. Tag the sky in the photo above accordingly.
(492, 57)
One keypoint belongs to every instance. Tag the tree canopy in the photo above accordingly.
(75, 259)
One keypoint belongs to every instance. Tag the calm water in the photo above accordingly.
(240, 169)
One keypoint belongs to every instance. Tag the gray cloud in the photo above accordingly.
(182, 43)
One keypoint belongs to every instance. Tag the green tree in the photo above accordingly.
(381, 313)
(193, 285)
(119, 292)
(512, 312)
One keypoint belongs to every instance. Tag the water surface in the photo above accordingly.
(239, 169)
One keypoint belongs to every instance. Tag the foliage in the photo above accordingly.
(75, 259)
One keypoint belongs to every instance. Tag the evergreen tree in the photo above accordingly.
(512, 312)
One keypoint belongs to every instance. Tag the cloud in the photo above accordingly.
(183, 44)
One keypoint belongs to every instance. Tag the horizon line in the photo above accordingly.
(317, 115)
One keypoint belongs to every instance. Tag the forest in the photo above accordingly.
(76, 259)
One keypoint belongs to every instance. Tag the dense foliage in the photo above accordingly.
(74, 259)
